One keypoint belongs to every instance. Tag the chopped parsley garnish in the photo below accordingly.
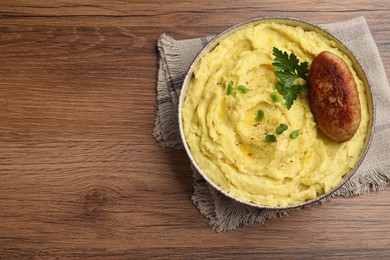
(270, 138)
(281, 128)
(229, 88)
(242, 89)
(276, 97)
(288, 69)
(260, 115)
(294, 134)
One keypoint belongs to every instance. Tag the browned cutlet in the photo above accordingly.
(334, 97)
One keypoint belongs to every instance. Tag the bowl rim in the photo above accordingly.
(291, 21)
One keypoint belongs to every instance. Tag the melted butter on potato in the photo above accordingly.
(228, 143)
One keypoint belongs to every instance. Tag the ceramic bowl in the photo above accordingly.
(308, 27)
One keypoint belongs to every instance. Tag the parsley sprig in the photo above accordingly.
(288, 69)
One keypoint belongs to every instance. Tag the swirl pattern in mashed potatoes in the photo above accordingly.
(228, 143)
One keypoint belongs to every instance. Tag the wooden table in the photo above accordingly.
(81, 174)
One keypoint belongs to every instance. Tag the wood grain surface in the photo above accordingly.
(81, 175)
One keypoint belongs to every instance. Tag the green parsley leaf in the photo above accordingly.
(288, 69)
(276, 97)
(281, 128)
(229, 88)
(284, 62)
(291, 94)
(279, 87)
(260, 115)
(303, 70)
(286, 77)
(294, 134)
(270, 138)
(242, 89)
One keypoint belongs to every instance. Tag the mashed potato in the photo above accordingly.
(228, 143)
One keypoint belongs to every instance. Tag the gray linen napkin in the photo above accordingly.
(224, 213)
